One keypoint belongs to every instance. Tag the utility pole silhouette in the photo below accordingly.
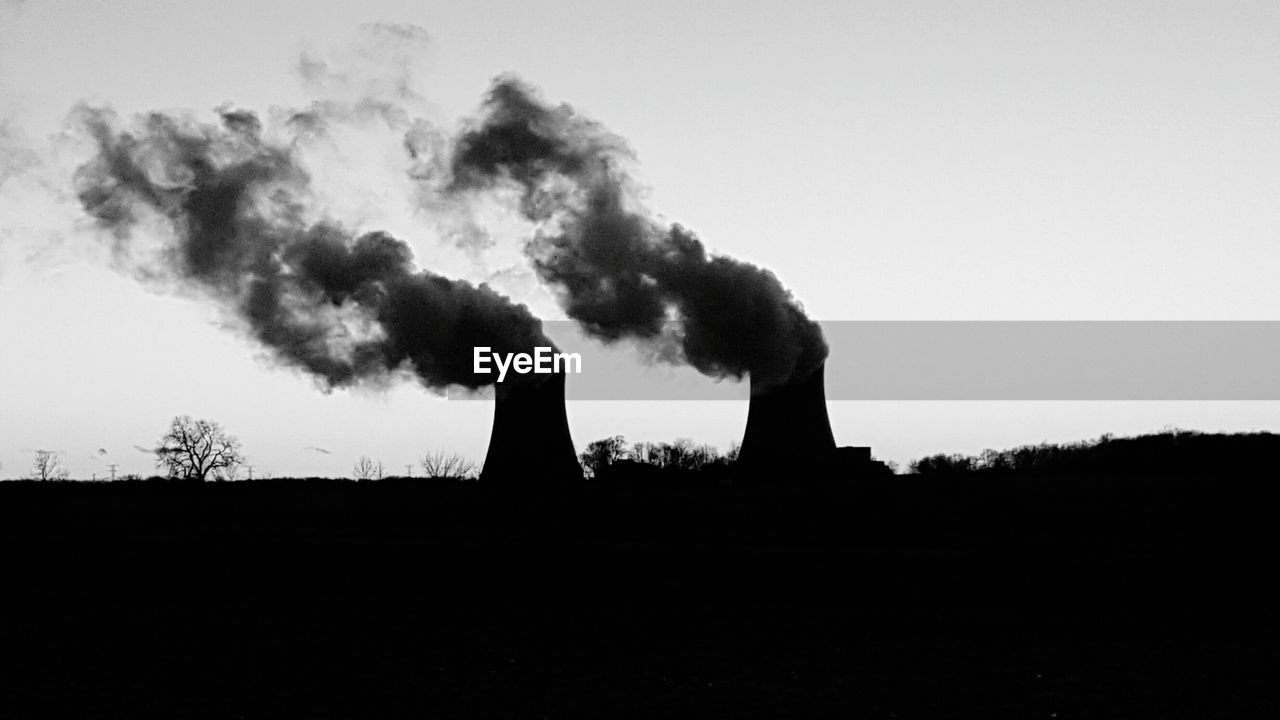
(113, 471)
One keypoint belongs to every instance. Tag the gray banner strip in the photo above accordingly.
(978, 360)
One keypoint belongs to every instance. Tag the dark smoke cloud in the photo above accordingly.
(343, 307)
(620, 272)
(316, 449)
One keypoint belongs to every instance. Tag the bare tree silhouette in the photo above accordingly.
(441, 464)
(45, 466)
(683, 454)
(194, 449)
(367, 468)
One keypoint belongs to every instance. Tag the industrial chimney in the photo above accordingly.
(530, 447)
(787, 426)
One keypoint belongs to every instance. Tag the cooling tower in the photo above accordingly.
(530, 447)
(787, 426)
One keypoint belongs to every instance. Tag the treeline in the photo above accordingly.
(683, 455)
(1171, 452)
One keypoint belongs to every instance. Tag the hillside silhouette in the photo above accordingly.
(1018, 590)
(1172, 452)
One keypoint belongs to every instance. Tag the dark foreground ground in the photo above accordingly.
(886, 598)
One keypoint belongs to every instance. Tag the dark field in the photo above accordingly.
(880, 598)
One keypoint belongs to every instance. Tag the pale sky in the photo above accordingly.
(887, 160)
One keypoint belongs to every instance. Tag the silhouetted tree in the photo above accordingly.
(644, 453)
(439, 464)
(367, 469)
(697, 457)
(45, 465)
(603, 453)
(944, 464)
(194, 449)
(682, 454)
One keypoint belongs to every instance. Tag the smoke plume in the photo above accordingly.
(343, 307)
(618, 271)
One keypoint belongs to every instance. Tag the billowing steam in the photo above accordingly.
(342, 307)
(620, 272)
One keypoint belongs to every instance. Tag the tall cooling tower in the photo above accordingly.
(530, 447)
(787, 425)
